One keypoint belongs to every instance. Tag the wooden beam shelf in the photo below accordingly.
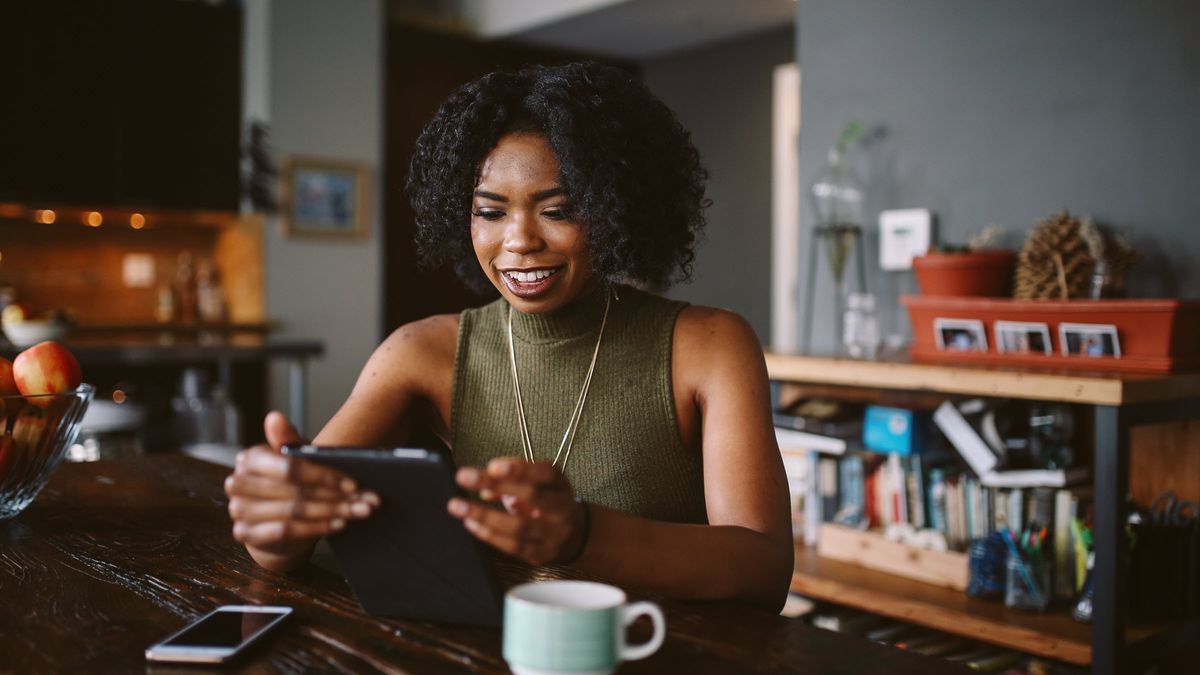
(1025, 383)
(1051, 635)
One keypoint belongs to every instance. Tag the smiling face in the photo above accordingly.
(531, 252)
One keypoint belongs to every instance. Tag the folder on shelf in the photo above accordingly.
(791, 439)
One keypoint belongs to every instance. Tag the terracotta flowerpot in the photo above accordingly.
(978, 273)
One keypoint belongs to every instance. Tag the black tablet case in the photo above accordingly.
(411, 558)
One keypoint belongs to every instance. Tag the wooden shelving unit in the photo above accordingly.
(1053, 635)
(1118, 402)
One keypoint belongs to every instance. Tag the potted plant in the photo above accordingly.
(976, 269)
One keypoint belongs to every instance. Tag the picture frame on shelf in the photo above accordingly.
(1022, 337)
(960, 335)
(325, 197)
(1089, 340)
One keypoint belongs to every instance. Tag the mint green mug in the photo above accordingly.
(576, 627)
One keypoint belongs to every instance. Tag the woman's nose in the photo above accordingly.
(521, 233)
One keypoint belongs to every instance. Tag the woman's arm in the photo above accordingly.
(745, 551)
(281, 505)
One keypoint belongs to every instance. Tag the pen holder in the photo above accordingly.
(987, 567)
(1164, 571)
(1027, 584)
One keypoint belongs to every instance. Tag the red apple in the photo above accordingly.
(31, 429)
(8, 386)
(46, 368)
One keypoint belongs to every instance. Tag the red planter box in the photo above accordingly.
(1156, 336)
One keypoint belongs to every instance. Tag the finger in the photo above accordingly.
(277, 531)
(512, 469)
(257, 510)
(518, 495)
(249, 485)
(280, 431)
(553, 525)
(267, 463)
(535, 552)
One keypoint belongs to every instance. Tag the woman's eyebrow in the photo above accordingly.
(546, 194)
(491, 195)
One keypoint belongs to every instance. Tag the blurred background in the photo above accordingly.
(156, 157)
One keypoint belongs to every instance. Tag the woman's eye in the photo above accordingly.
(554, 214)
(488, 214)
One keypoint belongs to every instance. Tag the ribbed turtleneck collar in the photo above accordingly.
(581, 317)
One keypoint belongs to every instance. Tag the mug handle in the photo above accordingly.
(629, 614)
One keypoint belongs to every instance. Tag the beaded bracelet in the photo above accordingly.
(587, 530)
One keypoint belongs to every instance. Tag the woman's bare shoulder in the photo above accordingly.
(698, 325)
(422, 343)
(712, 343)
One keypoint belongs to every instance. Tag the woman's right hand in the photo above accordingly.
(281, 505)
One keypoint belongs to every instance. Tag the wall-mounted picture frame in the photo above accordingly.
(324, 197)
(1022, 337)
(960, 335)
(1089, 339)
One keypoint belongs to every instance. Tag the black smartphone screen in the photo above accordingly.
(224, 628)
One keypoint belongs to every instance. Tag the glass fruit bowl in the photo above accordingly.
(37, 430)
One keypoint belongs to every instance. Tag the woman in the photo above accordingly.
(601, 426)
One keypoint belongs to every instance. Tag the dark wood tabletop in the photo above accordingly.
(113, 556)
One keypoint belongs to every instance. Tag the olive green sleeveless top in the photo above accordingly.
(627, 453)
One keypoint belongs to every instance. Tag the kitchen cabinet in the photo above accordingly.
(134, 103)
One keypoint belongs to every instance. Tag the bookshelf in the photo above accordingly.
(1119, 403)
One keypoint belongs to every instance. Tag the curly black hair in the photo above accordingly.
(628, 167)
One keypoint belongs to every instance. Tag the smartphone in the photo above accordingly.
(219, 635)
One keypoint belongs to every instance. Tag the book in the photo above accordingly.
(852, 502)
(915, 488)
(827, 487)
(791, 439)
(937, 500)
(1034, 478)
(896, 489)
(1016, 510)
(965, 439)
(839, 428)
(812, 500)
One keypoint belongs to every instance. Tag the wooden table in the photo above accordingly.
(114, 556)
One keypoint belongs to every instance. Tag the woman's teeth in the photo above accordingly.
(528, 277)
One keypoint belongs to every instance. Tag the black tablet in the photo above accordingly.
(410, 558)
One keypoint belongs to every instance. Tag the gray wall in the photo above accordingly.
(326, 83)
(722, 94)
(1007, 112)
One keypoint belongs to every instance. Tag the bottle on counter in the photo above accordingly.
(185, 287)
(204, 417)
(210, 304)
(164, 307)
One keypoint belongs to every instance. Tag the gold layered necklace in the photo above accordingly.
(568, 439)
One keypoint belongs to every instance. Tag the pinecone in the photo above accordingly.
(1054, 262)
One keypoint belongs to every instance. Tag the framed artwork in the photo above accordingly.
(1089, 339)
(324, 197)
(1021, 337)
(960, 335)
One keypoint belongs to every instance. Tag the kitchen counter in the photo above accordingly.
(123, 352)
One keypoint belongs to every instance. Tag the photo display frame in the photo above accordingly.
(1089, 340)
(1022, 337)
(325, 197)
(960, 335)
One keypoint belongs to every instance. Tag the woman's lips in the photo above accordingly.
(534, 288)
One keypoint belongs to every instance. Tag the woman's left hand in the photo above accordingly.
(541, 521)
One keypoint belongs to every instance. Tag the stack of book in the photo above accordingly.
(839, 480)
